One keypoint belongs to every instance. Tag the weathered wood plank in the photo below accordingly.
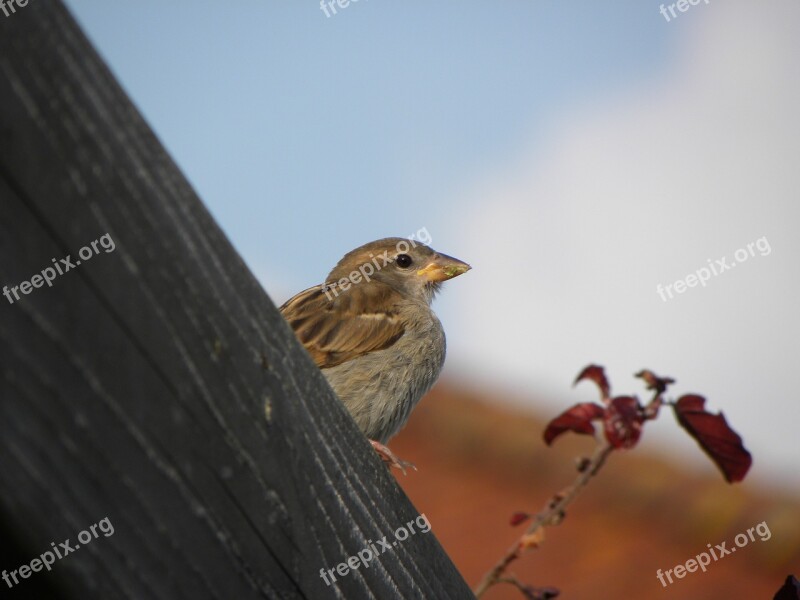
(156, 384)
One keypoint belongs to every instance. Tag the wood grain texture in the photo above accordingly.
(157, 385)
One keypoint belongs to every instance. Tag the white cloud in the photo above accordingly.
(642, 187)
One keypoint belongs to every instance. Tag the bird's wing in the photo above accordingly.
(335, 328)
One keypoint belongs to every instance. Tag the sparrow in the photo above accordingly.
(371, 331)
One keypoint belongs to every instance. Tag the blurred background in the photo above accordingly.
(578, 155)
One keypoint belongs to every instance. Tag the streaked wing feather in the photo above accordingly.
(337, 329)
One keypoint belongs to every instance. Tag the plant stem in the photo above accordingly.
(552, 514)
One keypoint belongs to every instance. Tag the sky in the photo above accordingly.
(577, 154)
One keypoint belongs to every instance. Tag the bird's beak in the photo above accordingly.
(442, 268)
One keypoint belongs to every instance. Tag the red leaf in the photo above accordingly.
(519, 517)
(790, 589)
(546, 593)
(577, 419)
(654, 382)
(597, 374)
(623, 422)
(715, 436)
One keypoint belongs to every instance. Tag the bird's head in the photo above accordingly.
(407, 266)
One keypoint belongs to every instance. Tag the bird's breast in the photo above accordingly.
(381, 388)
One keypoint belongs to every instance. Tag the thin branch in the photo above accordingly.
(551, 515)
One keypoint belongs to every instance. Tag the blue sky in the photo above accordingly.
(576, 154)
(365, 118)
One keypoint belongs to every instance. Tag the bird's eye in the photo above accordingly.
(404, 261)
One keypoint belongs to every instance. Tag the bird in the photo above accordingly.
(370, 329)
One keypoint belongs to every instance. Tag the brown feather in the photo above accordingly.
(337, 328)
